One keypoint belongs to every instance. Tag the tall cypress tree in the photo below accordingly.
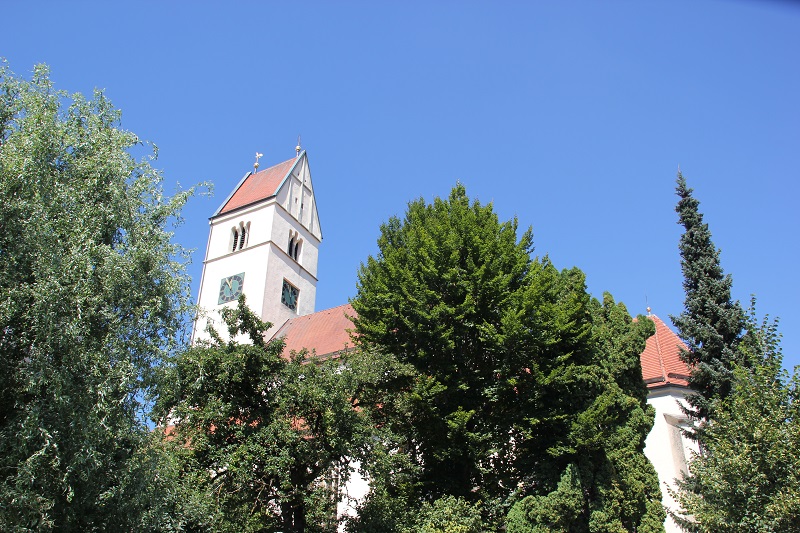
(711, 323)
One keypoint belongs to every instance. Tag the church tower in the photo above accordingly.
(263, 242)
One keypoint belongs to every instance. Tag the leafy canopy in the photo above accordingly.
(748, 478)
(510, 374)
(266, 440)
(92, 295)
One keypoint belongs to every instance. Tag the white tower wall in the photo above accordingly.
(665, 445)
(285, 214)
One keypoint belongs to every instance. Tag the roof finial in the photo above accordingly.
(647, 303)
(255, 165)
(298, 148)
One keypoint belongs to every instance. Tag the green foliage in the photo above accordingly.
(748, 478)
(607, 484)
(92, 294)
(448, 515)
(712, 323)
(559, 511)
(267, 440)
(511, 373)
(436, 298)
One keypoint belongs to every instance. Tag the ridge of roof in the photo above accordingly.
(661, 361)
(257, 186)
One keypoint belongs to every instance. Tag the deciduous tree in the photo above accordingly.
(606, 484)
(748, 477)
(92, 292)
(266, 439)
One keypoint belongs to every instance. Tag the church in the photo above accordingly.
(264, 243)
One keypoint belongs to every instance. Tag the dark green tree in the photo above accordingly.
(606, 483)
(92, 295)
(748, 477)
(436, 298)
(510, 359)
(267, 440)
(712, 323)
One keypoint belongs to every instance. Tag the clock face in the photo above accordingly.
(289, 295)
(230, 288)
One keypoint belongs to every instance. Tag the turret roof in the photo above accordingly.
(661, 360)
(257, 186)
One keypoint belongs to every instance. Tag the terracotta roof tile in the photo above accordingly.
(324, 332)
(661, 361)
(258, 186)
(328, 332)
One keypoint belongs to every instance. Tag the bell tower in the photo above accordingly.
(263, 242)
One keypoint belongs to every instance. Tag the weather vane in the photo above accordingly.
(298, 148)
(258, 156)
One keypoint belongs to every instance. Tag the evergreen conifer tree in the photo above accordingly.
(711, 323)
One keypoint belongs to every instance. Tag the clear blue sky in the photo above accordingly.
(572, 116)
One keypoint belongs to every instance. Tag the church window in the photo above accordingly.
(239, 235)
(234, 239)
(294, 245)
(289, 295)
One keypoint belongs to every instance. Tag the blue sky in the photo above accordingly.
(571, 116)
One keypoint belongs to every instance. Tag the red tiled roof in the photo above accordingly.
(324, 332)
(661, 361)
(328, 332)
(258, 186)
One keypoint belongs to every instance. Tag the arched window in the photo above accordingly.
(294, 245)
(234, 239)
(239, 235)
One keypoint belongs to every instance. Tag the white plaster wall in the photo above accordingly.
(248, 261)
(280, 266)
(355, 490)
(260, 219)
(665, 446)
(283, 223)
(296, 196)
(221, 262)
(264, 261)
